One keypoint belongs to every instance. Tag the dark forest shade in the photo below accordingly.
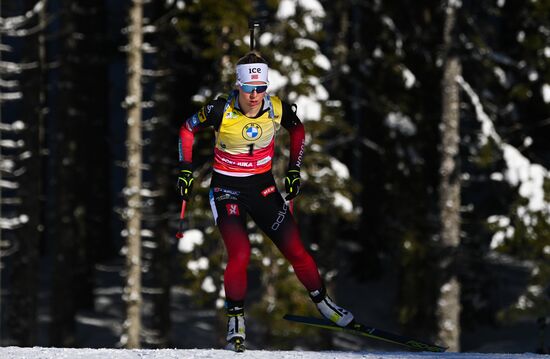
(22, 318)
(81, 216)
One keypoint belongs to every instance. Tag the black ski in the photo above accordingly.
(360, 329)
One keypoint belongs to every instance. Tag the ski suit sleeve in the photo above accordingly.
(209, 115)
(296, 130)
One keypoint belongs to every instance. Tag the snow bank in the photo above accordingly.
(63, 353)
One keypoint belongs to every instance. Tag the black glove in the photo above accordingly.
(292, 184)
(185, 184)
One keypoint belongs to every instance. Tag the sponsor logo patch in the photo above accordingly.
(202, 115)
(192, 122)
(252, 131)
(232, 209)
(231, 114)
(263, 161)
(223, 190)
(268, 190)
(280, 217)
(224, 197)
(238, 163)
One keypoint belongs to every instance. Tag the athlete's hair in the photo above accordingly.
(253, 57)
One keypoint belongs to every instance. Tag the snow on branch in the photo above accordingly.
(5, 48)
(155, 73)
(8, 184)
(12, 23)
(9, 84)
(15, 68)
(520, 170)
(7, 165)
(10, 96)
(13, 223)
(6, 143)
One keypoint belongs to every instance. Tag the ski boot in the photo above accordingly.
(328, 309)
(235, 327)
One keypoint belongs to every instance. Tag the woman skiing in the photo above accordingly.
(246, 122)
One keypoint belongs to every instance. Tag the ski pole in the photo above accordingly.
(291, 206)
(179, 234)
(252, 25)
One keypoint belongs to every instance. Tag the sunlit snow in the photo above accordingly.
(408, 77)
(62, 353)
(520, 171)
(15, 222)
(343, 202)
(287, 8)
(339, 168)
(197, 265)
(530, 177)
(208, 285)
(308, 108)
(190, 239)
(545, 90)
(400, 123)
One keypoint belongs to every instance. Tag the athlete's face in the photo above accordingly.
(252, 100)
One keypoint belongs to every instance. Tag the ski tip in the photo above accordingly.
(360, 329)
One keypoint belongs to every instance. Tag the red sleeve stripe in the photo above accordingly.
(186, 143)
(297, 142)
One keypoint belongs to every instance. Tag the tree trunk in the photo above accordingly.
(448, 304)
(133, 180)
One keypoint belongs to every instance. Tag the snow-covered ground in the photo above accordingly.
(59, 353)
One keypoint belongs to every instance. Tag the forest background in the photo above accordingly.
(425, 181)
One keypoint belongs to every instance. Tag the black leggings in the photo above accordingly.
(231, 199)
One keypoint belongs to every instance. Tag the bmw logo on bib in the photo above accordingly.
(252, 132)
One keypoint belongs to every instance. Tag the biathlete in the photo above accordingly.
(246, 122)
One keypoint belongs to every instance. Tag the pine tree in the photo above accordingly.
(385, 65)
(508, 106)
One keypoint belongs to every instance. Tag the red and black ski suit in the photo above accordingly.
(243, 184)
